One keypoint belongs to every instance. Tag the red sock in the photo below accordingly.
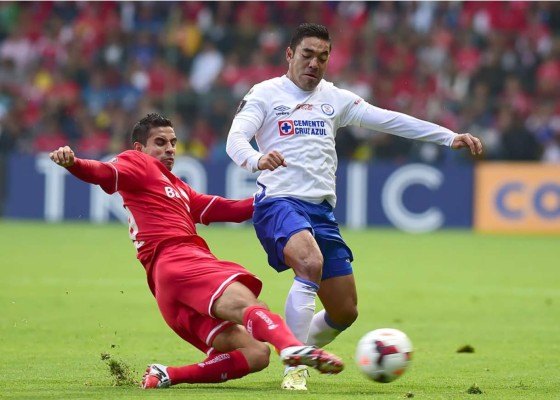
(266, 326)
(216, 368)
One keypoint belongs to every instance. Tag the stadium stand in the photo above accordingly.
(82, 72)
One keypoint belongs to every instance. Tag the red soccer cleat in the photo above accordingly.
(313, 357)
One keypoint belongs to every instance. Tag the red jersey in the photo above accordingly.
(160, 206)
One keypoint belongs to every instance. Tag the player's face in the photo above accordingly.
(160, 145)
(307, 64)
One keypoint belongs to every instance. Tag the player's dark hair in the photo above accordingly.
(309, 30)
(141, 130)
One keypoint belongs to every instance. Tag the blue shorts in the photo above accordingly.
(277, 219)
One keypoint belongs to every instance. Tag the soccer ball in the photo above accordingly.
(384, 354)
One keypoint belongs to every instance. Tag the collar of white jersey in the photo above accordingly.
(292, 87)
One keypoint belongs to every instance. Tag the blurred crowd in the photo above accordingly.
(82, 73)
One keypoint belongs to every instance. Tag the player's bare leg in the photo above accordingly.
(339, 311)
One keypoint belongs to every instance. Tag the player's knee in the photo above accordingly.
(344, 317)
(258, 356)
(315, 264)
(351, 316)
(310, 267)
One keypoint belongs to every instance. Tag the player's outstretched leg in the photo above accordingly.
(313, 357)
(266, 326)
(218, 367)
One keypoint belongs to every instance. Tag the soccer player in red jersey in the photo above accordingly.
(210, 303)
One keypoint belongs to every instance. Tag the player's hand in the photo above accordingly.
(63, 156)
(467, 140)
(271, 161)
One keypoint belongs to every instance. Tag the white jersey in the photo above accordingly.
(302, 125)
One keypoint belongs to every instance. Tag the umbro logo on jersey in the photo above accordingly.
(282, 110)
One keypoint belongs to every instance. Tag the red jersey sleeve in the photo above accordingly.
(124, 172)
(95, 172)
(206, 209)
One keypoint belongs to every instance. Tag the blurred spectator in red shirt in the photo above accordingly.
(548, 77)
(466, 55)
(260, 69)
(164, 80)
(93, 142)
(515, 96)
(49, 136)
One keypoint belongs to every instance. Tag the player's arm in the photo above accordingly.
(90, 171)
(249, 118)
(239, 148)
(238, 144)
(227, 210)
(406, 126)
(206, 209)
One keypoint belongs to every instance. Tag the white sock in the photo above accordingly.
(322, 330)
(300, 307)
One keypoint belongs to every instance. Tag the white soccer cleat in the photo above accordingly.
(156, 377)
(313, 357)
(295, 379)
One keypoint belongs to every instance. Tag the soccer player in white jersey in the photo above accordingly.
(294, 119)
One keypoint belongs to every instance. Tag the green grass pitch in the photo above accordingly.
(72, 294)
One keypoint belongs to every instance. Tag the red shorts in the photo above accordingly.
(187, 280)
